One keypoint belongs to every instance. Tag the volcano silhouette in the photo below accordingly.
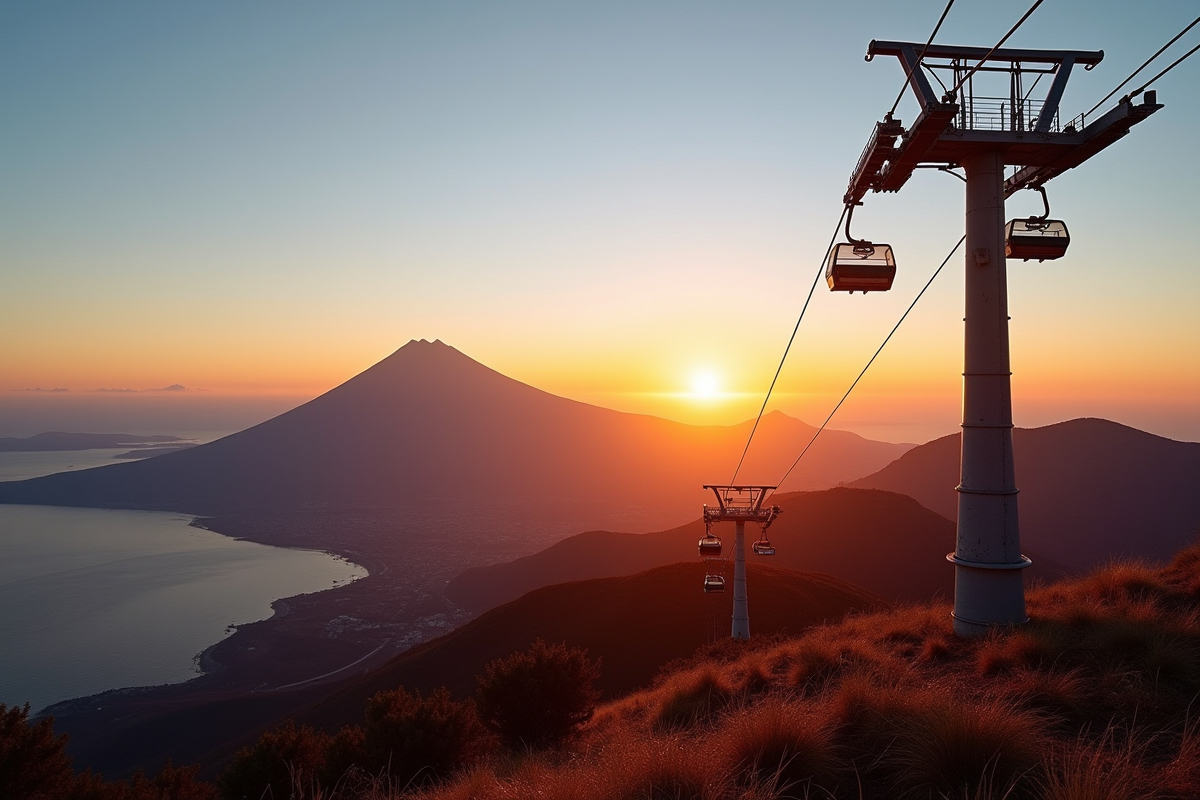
(428, 425)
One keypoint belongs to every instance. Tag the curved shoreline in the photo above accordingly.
(137, 572)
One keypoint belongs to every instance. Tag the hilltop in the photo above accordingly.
(1090, 700)
(1091, 489)
(884, 542)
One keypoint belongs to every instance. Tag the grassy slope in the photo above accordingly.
(1090, 701)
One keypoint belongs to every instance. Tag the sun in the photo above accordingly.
(705, 384)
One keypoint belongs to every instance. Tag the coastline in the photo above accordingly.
(268, 669)
(152, 595)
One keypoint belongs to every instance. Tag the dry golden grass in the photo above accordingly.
(1090, 701)
(952, 748)
(694, 697)
(779, 744)
(1180, 777)
(1103, 769)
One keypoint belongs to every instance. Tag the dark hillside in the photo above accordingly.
(636, 624)
(886, 543)
(1093, 699)
(1091, 490)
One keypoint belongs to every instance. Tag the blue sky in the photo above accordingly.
(604, 200)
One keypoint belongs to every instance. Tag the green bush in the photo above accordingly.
(538, 697)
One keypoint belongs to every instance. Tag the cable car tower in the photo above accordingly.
(737, 504)
(983, 135)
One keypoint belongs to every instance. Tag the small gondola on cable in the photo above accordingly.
(763, 547)
(859, 265)
(710, 550)
(1036, 237)
(740, 504)
(710, 546)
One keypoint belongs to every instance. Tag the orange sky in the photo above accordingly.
(602, 203)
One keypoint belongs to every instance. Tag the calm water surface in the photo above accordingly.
(93, 599)
(18, 466)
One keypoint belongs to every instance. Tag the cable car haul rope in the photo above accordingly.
(886, 339)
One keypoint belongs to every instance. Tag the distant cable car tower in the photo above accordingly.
(983, 135)
(737, 504)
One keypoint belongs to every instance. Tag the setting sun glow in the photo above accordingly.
(704, 384)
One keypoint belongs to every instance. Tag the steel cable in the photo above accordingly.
(1145, 64)
(903, 316)
(787, 349)
(982, 61)
(1172, 66)
(917, 65)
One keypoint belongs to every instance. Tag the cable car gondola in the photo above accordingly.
(710, 546)
(859, 265)
(713, 583)
(764, 548)
(1037, 237)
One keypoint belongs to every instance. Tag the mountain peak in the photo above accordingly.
(424, 344)
(430, 422)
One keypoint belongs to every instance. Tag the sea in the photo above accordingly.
(94, 599)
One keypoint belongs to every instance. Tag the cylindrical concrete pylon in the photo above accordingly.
(741, 611)
(989, 589)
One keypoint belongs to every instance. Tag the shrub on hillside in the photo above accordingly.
(172, 783)
(538, 697)
(33, 761)
(282, 760)
(416, 739)
(343, 758)
(34, 766)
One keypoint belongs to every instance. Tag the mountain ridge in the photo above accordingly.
(428, 425)
(855, 535)
(1090, 489)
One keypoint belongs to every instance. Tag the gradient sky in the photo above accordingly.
(604, 200)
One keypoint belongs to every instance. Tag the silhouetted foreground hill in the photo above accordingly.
(883, 542)
(1094, 698)
(636, 624)
(428, 424)
(1091, 489)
